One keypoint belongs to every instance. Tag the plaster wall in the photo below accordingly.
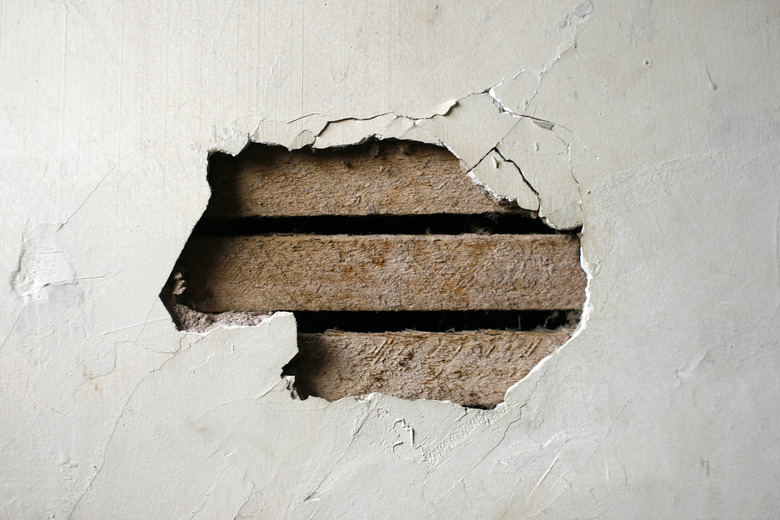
(654, 125)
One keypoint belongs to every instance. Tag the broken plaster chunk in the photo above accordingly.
(544, 159)
(397, 128)
(471, 128)
(228, 140)
(504, 180)
(294, 134)
(302, 140)
(418, 134)
(351, 131)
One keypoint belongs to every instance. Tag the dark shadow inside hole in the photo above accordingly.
(439, 224)
(433, 321)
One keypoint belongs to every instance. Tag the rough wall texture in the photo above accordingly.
(654, 125)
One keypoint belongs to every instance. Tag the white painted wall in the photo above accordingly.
(655, 125)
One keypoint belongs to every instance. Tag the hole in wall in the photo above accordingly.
(404, 276)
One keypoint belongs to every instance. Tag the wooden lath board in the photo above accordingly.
(383, 272)
(406, 188)
(387, 178)
(473, 368)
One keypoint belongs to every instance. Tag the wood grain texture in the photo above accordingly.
(473, 368)
(383, 272)
(388, 178)
(244, 275)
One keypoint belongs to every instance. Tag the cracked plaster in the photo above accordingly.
(654, 126)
